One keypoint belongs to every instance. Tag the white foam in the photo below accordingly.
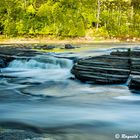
(40, 138)
(41, 63)
(129, 98)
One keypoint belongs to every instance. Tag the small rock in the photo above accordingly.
(69, 46)
(46, 47)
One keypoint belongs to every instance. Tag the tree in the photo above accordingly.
(71, 18)
(98, 13)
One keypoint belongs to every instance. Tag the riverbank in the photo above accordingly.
(80, 40)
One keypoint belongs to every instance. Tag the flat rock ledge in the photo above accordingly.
(9, 53)
(115, 68)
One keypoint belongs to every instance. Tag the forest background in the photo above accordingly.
(70, 18)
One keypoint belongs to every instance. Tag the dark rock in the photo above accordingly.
(15, 51)
(69, 46)
(2, 63)
(48, 47)
(102, 69)
(134, 84)
(126, 52)
(71, 78)
(9, 53)
(5, 60)
(44, 47)
(135, 52)
(135, 61)
(109, 69)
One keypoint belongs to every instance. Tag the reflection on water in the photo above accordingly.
(39, 94)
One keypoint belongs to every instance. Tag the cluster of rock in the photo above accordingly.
(117, 67)
(44, 47)
(9, 53)
(51, 47)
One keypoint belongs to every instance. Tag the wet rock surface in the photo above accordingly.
(17, 51)
(69, 46)
(17, 134)
(111, 69)
(9, 53)
(41, 99)
(134, 83)
(45, 47)
(105, 69)
(102, 69)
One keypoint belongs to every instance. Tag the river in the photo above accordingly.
(40, 94)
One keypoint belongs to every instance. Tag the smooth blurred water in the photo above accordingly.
(40, 93)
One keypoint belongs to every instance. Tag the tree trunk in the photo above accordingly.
(98, 14)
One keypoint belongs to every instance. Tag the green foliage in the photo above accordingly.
(71, 18)
(31, 9)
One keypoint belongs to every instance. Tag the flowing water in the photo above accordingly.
(40, 94)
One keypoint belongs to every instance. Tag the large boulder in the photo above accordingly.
(118, 67)
(102, 69)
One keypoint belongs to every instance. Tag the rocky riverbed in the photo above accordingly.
(40, 99)
(115, 68)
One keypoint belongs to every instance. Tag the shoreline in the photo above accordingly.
(25, 41)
